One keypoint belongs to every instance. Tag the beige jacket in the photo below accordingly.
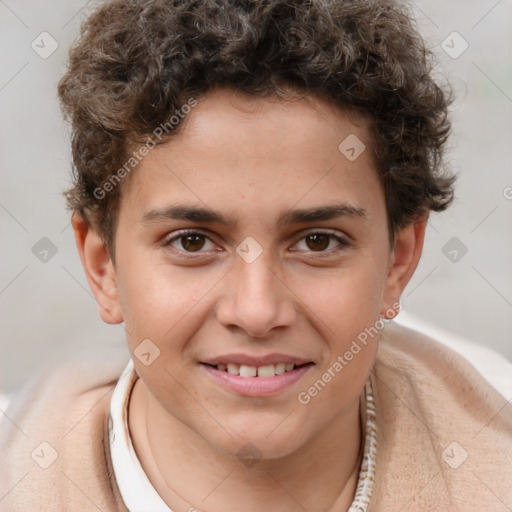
(444, 434)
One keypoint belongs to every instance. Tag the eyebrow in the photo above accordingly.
(192, 213)
(297, 216)
(320, 213)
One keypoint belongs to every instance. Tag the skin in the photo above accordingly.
(251, 159)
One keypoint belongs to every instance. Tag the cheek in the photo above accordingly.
(346, 313)
(156, 297)
(347, 299)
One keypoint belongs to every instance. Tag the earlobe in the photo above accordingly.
(403, 262)
(98, 268)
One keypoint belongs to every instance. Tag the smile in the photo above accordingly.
(269, 370)
(255, 381)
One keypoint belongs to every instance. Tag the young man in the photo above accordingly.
(253, 182)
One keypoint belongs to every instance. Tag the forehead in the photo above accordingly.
(299, 120)
(238, 151)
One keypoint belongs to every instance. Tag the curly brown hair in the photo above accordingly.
(138, 62)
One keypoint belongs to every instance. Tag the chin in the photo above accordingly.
(267, 443)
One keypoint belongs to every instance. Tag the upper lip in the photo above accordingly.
(249, 360)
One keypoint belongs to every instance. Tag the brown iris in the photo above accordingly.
(317, 241)
(192, 243)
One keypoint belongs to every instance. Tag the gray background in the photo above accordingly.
(46, 307)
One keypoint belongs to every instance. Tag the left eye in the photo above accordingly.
(190, 242)
(321, 242)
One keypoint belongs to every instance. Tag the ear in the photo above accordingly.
(98, 268)
(404, 259)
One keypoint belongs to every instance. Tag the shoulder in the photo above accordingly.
(437, 376)
(53, 433)
(444, 432)
(66, 384)
(491, 365)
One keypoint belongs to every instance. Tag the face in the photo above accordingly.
(250, 239)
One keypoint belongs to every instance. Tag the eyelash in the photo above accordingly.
(343, 243)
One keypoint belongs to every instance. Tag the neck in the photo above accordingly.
(188, 473)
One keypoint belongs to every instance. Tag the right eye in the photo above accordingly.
(189, 242)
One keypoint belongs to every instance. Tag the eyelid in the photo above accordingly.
(176, 235)
(342, 239)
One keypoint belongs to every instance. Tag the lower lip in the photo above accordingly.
(257, 386)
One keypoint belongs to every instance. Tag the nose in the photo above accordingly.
(255, 299)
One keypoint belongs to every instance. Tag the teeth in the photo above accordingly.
(269, 370)
(248, 371)
(280, 368)
(233, 369)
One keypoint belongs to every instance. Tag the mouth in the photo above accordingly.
(256, 381)
(265, 371)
